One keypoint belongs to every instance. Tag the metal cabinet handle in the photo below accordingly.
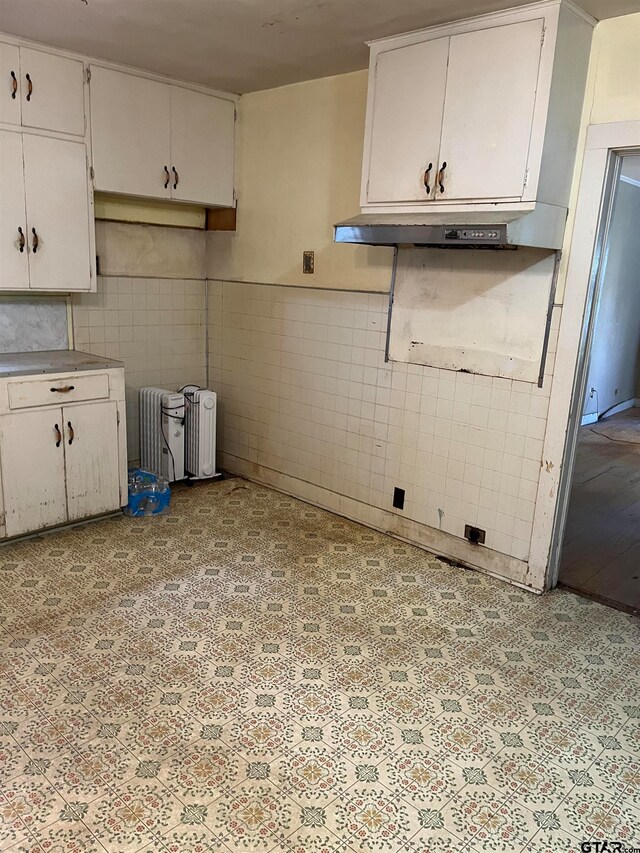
(35, 242)
(72, 434)
(168, 177)
(29, 86)
(58, 435)
(14, 85)
(441, 176)
(21, 240)
(177, 177)
(426, 178)
(64, 390)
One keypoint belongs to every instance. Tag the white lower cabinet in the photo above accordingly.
(91, 454)
(32, 459)
(60, 463)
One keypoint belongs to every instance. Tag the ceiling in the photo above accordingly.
(242, 45)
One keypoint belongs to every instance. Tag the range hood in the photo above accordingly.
(537, 225)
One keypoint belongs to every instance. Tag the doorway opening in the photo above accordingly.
(600, 554)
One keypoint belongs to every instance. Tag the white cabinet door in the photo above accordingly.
(52, 92)
(58, 221)
(488, 115)
(130, 129)
(14, 264)
(202, 132)
(408, 102)
(9, 83)
(32, 459)
(92, 462)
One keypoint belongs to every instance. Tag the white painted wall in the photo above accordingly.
(297, 173)
(614, 360)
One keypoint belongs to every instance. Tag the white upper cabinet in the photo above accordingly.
(41, 90)
(202, 137)
(58, 213)
(488, 115)
(407, 117)
(52, 92)
(46, 226)
(493, 103)
(10, 100)
(130, 132)
(14, 258)
(178, 142)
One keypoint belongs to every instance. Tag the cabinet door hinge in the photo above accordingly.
(235, 197)
(544, 32)
(235, 114)
(88, 75)
(92, 173)
(3, 519)
(118, 416)
(526, 178)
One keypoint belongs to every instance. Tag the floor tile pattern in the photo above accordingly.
(250, 673)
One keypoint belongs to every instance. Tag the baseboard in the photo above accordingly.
(589, 419)
(622, 407)
(434, 541)
(594, 417)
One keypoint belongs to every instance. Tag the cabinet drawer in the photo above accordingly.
(54, 390)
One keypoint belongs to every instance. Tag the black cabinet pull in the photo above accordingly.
(168, 177)
(426, 178)
(35, 242)
(58, 435)
(64, 390)
(21, 240)
(29, 87)
(14, 85)
(177, 177)
(72, 434)
(441, 176)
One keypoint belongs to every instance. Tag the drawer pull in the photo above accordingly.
(14, 85)
(177, 176)
(21, 240)
(168, 178)
(440, 177)
(35, 242)
(72, 434)
(64, 390)
(29, 87)
(58, 435)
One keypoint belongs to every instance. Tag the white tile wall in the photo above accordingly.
(304, 390)
(155, 326)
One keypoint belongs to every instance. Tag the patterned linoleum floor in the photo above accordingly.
(253, 674)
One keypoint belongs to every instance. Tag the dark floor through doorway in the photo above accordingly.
(601, 553)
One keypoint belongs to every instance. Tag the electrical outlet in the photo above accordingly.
(398, 498)
(308, 263)
(475, 535)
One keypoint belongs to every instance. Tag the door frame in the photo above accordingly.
(605, 144)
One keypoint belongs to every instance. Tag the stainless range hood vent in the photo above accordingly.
(540, 226)
(435, 236)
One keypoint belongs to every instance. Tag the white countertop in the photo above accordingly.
(52, 361)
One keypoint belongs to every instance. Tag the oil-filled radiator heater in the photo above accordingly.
(178, 432)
